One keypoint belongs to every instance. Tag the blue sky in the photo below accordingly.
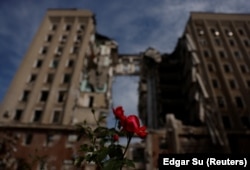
(134, 25)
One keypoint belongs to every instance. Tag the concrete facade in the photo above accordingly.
(65, 74)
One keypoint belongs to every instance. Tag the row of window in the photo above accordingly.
(237, 99)
(53, 64)
(228, 68)
(245, 121)
(67, 27)
(50, 77)
(44, 95)
(232, 83)
(59, 50)
(222, 54)
(216, 32)
(57, 114)
(62, 40)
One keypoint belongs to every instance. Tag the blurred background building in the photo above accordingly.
(194, 100)
(199, 94)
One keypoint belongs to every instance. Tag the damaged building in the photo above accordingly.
(66, 73)
(193, 100)
(199, 94)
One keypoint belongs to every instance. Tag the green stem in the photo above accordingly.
(129, 140)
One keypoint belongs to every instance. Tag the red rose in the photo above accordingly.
(118, 112)
(132, 124)
(115, 137)
(141, 132)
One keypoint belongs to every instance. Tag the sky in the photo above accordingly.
(135, 25)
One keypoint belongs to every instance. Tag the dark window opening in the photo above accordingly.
(243, 69)
(44, 50)
(37, 116)
(246, 42)
(206, 54)
(245, 121)
(50, 78)
(66, 78)
(91, 101)
(49, 38)
(68, 27)
(215, 83)
(232, 84)
(248, 83)
(61, 96)
(221, 102)
(56, 116)
(25, 95)
(54, 27)
(237, 54)
(222, 54)
(18, 115)
(217, 41)
(241, 32)
(227, 68)
(71, 63)
(28, 139)
(231, 42)
(239, 102)
(54, 63)
(44, 96)
(32, 78)
(210, 67)
(226, 122)
(75, 50)
(39, 63)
